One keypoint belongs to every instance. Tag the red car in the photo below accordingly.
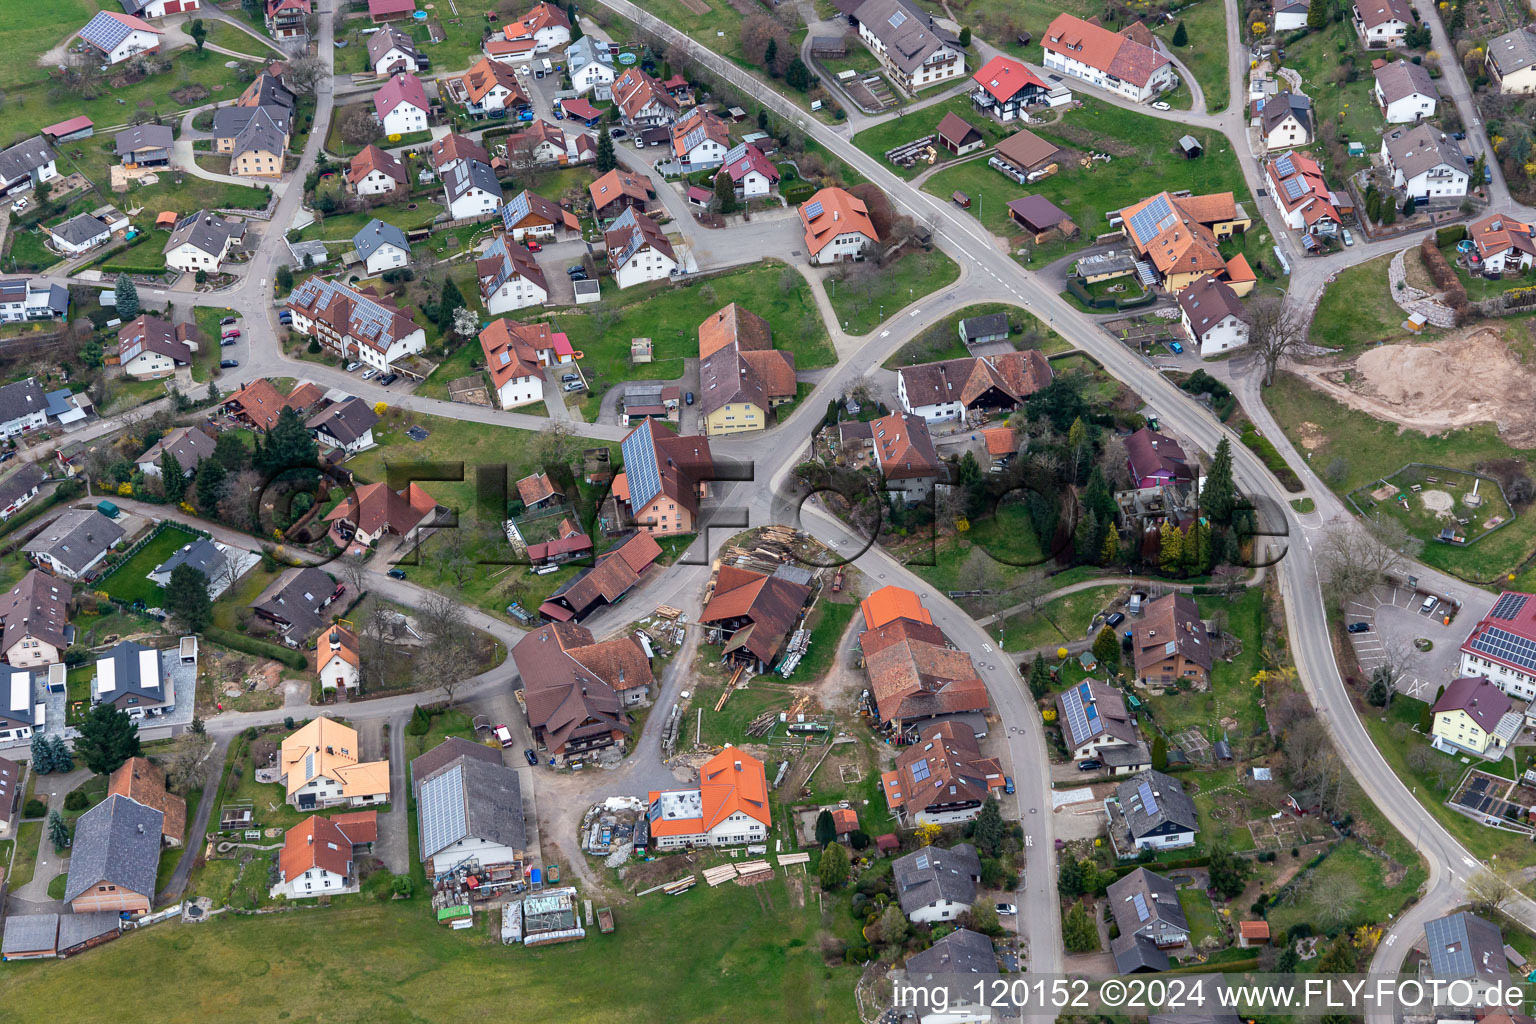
(231, 335)
(533, 245)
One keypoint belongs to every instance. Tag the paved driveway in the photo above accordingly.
(1397, 619)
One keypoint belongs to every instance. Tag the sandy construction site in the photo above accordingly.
(1467, 378)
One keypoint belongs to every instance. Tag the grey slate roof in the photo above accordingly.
(76, 538)
(481, 799)
(931, 874)
(1134, 952)
(376, 233)
(985, 326)
(117, 841)
(207, 231)
(947, 964)
(1159, 895)
(30, 933)
(1464, 946)
(584, 51)
(1404, 78)
(189, 444)
(75, 929)
(298, 597)
(20, 399)
(202, 554)
(346, 421)
(380, 42)
(1510, 52)
(1171, 802)
(80, 229)
(21, 482)
(445, 753)
(263, 133)
(909, 34)
(471, 174)
(143, 136)
(128, 677)
(24, 158)
(1280, 105)
(1422, 147)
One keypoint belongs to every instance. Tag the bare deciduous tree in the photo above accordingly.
(1276, 330)
(360, 128)
(1355, 557)
(1490, 891)
(304, 74)
(556, 445)
(449, 654)
(353, 571)
(187, 764)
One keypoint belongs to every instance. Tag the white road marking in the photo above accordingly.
(1391, 938)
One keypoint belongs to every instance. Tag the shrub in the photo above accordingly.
(259, 648)
(34, 808)
(1450, 235)
(1444, 277)
(76, 800)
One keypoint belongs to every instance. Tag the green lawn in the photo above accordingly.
(904, 128)
(461, 363)
(1480, 287)
(1203, 922)
(1232, 693)
(1357, 309)
(226, 35)
(1348, 888)
(445, 725)
(556, 184)
(867, 295)
(1062, 620)
(129, 581)
(29, 250)
(341, 227)
(95, 790)
(24, 862)
(94, 156)
(670, 316)
(147, 257)
(41, 30)
(1219, 789)
(828, 624)
(1205, 53)
(1349, 105)
(955, 561)
(205, 364)
(941, 340)
(1365, 448)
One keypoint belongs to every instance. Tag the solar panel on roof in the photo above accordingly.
(1294, 188)
(441, 809)
(1153, 218)
(1285, 166)
(921, 860)
(1508, 606)
(640, 467)
(920, 770)
(1139, 901)
(898, 19)
(813, 211)
(1506, 646)
(1148, 801)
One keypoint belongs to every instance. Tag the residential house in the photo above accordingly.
(569, 543)
(19, 488)
(18, 715)
(638, 250)
(544, 143)
(26, 164)
(320, 768)
(10, 794)
(79, 234)
(114, 858)
(604, 583)
(510, 278)
(1382, 24)
(934, 884)
(472, 190)
(1425, 163)
(1214, 316)
(491, 87)
(452, 151)
(515, 357)
(1170, 645)
(914, 50)
(74, 544)
(641, 100)
(1500, 646)
(150, 347)
(1405, 92)
(914, 674)
(117, 36)
(1285, 120)
(317, 858)
(546, 26)
(618, 191)
(339, 660)
(529, 214)
(354, 324)
(259, 405)
(971, 388)
(700, 141)
(958, 135)
(1178, 234)
(133, 679)
(756, 613)
(536, 491)
(346, 425)
(752, 174)
(220, 565)
(160, 8)
(980, 330)
(1470, 717)
(144, 145)
(1502, 243)
(23, 407)
(374, 172)
(1110, 60)
(1150, 920)
(381, 246)
(391, 52)
(1005, 88)
(728, 808)
(1290, 15)
(1295, 180)
(741, 375)
(575, 688)
(35, 614)
(904, 455)
(401, 105)
(373, 510)
(1155, 459)
(288, 19)
(939, 983)
(664, 478)
(469, 806)
(837, 226)
(942, 778)
(141, 780)
(1468, 947)
(590, 65)
(295, 602)
(1094, 718)
(256, 150)
(202, 241)
(1155, 812)
(23, 298)
(380, 11)
(1511, 62)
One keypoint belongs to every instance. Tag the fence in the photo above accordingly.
(1425, 468)
(1075, 285)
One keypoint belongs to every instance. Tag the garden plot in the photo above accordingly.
(1285, 830)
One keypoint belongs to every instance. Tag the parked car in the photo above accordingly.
(1359, 627)
(398, 574)
(566, 378)
(532, 758)
(368, 373)
(617, 133)
(285, 318)
(226, 342)
(1114, 620)
(574, 385)
(577, 272)
(1160, 105)
(352, 367)
(229, 320)
(1006, 910)
(19, 205)
(1091, 764)
(503, 735)
(559, 114)
(388, 379)
(1349, 239)
(525, 115)
(533, 244)
(228, 364)
(1458, 136)
(1008, 784)
(688, 398)
(230, 335)
(1177, 347)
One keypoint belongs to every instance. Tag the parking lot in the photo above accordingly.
(1397, 618)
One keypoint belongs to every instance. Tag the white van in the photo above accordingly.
(544, 68)
(1428, 605)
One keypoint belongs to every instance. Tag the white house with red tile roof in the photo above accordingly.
(545, 26)
(837, 226)
(510, 278)
(700, 140)
(515, 357)
(1382, 23)
(1004, 87)
(374, 172)
(1503, 243)
(752, 173)
(1296, 182)
(117, 36)
(1500, 647)
(160, 8)
(401, 106)
(1214, 316)
(729, 807)
(1109, 60)
(338, 659)
(642, 101)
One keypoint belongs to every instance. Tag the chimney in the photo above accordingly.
(140, 828)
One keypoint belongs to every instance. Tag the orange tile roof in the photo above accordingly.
(731, 782)
(338, 642)
(1254, 929)
(1111, 52)
(334, 748)
(360, 826)
(512, 349)
(486, 75)
(845, 819)
(375, 506)
(890, 603)
(1238, 271)
(999, 441)
(733, 325)
(1182, 241)
(373, 159)
(141, 780)
(535, 488)
(837, 212)
(315, 842)
(617, 183)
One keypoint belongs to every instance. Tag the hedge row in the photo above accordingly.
(252, 646)
(1265, 450)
